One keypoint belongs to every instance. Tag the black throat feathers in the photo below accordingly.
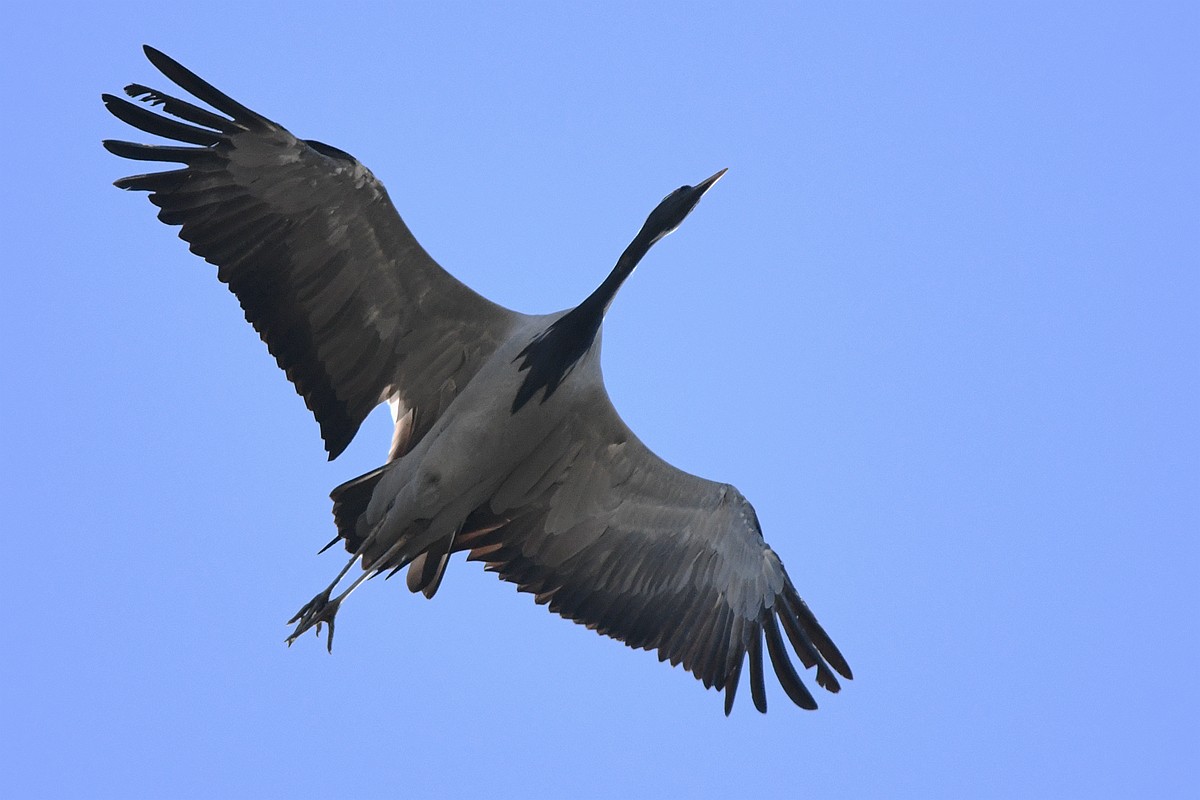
(554, 352)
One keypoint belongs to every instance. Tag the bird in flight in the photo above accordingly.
(506, 445)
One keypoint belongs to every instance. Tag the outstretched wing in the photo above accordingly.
(615, 538)
(350, 305)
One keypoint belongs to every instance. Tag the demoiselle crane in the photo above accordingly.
(506, 445)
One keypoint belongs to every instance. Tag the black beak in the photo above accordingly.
(706, 184)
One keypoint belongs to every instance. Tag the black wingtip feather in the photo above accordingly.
(805, 648)
(784, 671)
(153, 181)
(758, 688)
(182, 108)
(818, 636)
(137, 151)
(157, 124)
(731, 684)
(190, 81)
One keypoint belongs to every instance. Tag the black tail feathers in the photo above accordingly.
(350, 501)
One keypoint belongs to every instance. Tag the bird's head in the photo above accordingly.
(670, 213)
(666, 217)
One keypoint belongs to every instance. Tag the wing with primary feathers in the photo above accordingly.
(615, 538)
(348, 302)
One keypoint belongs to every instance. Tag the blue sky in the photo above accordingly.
(938, 323)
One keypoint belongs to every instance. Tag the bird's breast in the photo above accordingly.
(479, 441)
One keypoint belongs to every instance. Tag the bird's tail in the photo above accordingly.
(350, 501)
(425, 556)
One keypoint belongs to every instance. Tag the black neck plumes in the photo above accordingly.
(554, 352)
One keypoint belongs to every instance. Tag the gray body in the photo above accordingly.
(476, 444)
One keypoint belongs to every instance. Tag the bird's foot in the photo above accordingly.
(317, 612)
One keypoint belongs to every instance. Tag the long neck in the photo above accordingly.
(553, 353)
(599, 300)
